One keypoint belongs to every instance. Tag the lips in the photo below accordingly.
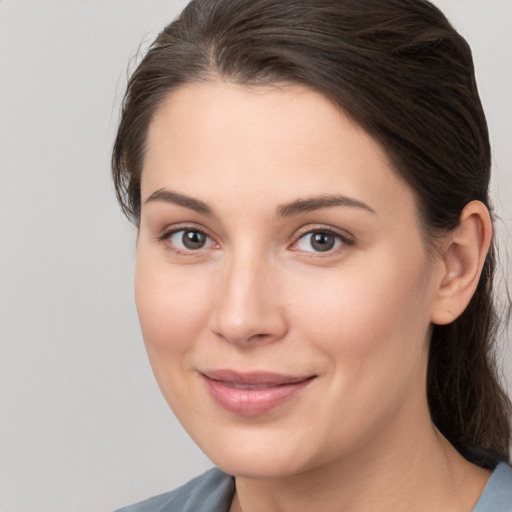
(252, 394)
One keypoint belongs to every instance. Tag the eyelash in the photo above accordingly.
(343, 240)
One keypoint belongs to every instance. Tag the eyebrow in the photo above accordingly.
(318, 202)
(168, 196)
(284, 210)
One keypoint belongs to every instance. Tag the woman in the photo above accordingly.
(314, 260)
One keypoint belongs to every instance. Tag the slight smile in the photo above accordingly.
(252, 394)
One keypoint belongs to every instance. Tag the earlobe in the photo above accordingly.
(463, 255)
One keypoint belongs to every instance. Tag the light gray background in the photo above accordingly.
(83, 426)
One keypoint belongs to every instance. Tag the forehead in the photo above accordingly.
(281, 142)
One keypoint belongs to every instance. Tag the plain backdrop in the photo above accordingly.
(83, 426)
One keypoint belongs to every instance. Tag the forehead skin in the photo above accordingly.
(258, 138)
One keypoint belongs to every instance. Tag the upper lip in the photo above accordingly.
(255, 378)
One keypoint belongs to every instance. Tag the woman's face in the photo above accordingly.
(282, 282)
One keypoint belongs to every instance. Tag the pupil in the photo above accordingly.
(322, 242)
(193, 239)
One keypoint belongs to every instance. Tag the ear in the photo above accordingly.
(462, 254)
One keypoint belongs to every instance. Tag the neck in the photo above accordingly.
(415, 468)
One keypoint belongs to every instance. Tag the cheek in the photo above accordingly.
(375, 315)
(172, 313)
(172, 308)
(371, 327)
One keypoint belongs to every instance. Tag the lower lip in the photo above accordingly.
(252, 402)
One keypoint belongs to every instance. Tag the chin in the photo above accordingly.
(257, 455)
(260, 466)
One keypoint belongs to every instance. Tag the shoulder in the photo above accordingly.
(497, 495)
(211, 491)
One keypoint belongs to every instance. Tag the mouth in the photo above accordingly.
(255, 393)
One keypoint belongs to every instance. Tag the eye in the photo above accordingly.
(319, 241)
(190, 240)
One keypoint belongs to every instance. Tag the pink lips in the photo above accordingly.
(251, 394)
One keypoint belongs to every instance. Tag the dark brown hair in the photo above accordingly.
(401, 71)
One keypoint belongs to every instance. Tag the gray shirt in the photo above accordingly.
(213, 492)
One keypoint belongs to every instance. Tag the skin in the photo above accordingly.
(259, 297)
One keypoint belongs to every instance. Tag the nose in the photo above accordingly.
(248, 311)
